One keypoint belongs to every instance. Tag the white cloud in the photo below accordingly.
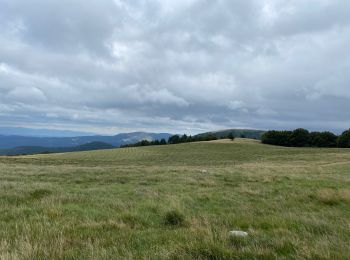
(236, 105)
(26, 95)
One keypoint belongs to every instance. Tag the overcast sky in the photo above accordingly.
(181, 66)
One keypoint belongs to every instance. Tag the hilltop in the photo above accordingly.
(245, 133)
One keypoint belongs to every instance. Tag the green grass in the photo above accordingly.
(177, 202)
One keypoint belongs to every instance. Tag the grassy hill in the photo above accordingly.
(176, 202)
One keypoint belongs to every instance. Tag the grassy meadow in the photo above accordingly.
(177, 202)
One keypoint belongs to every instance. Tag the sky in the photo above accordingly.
(184, 66)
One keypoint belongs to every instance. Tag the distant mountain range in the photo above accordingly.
(25, 150)
(14, 141)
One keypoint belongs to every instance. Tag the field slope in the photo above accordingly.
(177, 202)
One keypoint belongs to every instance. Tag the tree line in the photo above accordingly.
(178, 139)
(303, 138)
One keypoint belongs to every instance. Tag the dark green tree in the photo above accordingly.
(276, 137)
(184, 139)
(344, 139)
(145, 143)
(175, 139)
(231, 136)
(323, 139)
(299, 138)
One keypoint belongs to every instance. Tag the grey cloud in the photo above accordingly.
(181, 66)
(68, 26)
(295, 17)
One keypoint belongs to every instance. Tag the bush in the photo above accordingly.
(344, 139)
(174, 218)
(40, 193)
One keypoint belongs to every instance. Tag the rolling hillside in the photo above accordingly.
(177, 202)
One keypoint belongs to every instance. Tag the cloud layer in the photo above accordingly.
(178, 66)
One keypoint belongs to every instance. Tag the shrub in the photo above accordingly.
(40, 193)
(208, 251)
(174, 218)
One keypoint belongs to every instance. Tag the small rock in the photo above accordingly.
(204, 171)
(238, 233)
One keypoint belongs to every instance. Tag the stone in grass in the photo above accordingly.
(238, 233)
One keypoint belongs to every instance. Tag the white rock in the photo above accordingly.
(238, 233)
(204, 171)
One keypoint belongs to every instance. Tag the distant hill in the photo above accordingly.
(16, 144)
(13, 141)
(246, 133)
(24, 150)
